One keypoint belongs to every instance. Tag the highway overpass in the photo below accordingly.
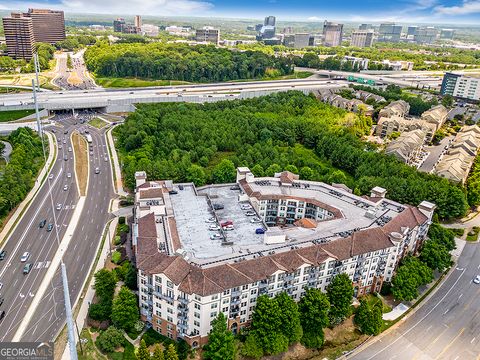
(112, 100)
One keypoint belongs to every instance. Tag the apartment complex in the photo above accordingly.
(456, 164)
(407, 147)
(208, 34)
(389, 32)
(362, 38)
(461, 86)
(355, 105)
(201, 251)
(23, 30)
(19, 36)
(395, 108)
(332, 34)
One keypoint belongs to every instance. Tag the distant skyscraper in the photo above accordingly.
(269, 20)
(137, 21)
(362, 38)
(19, 36)
(447, 34)
(332, 34)
(365, 27)
(48, 25)
(118, 24)
(412, 30)
(389, 32)
(297, 41)
(426, 35)
(208, 34)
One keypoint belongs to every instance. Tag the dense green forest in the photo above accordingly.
(18, 176)
(201, 63)
(203, 142)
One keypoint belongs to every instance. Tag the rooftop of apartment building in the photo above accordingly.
(174, 219)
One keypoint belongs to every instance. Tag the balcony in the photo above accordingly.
(236, 292)
(235, 301)
(182, 300)
(182, 324)
(263, 284)
(182, 316)
(262, 291)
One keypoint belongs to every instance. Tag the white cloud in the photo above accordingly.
(314, 18)
(467, 7)
(144, 7)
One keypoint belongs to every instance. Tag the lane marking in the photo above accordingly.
(450, 343)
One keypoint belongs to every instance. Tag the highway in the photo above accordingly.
(65, 78)
(447, 326)
(19, 290)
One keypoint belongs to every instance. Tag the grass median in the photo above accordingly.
(81, 161)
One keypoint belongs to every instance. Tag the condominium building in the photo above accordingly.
(201, 251)
(208, 34)
(395, 108)
(407, 147)
(150, 30)
(362, 38)
(461, 86)
(447, 34)
(137, 21)
(389, 32)
(365, 27)
(19, 36)
(332, 34)
(48, 25)
(118, 24)
(412, 31)
(297, 41)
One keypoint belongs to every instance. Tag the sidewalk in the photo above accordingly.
(12, 222)
(118, 186)
(88, 297)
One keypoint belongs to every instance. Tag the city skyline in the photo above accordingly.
(406, 11)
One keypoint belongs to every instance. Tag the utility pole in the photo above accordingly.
(68, 313)
(37, 114)
(37, 69)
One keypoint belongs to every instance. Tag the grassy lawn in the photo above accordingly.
(90, 351)
(11, 115)
(134, 82)
(81, 161)
(458, 232)
(7, 90)
(473, 234)
(98, 123)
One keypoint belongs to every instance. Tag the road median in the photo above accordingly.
(80, 153)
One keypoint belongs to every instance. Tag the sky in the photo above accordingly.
(406, 11)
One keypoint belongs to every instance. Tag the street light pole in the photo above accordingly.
(68, 313)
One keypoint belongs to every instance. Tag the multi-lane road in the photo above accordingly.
(19, 290)
(75, 78)
(446, 326)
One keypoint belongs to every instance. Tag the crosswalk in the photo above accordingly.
(41, 265)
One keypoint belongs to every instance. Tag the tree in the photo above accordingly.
(196, 174)
(257, 170)
(69, 62)
(224, 172)
(143, 353)
(109, 339)
(272, 169)
(267, 326)
(447, 101)
(158, 353)
(105, 283)
(289, 317)
(171, 353)
(411, 274)
(306, 173)
(313, 307)
(340, 294)
(443, 235)
(368, 317)
(125, 309)
(220, 344)
(252, 348)
(291, 168)
(131, 277)
(435, 255)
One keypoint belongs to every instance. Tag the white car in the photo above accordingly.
(69, 149)
(59, 206)
(65, 187)
(210, 220)
(216, 237)
(228, 228)
(214, 227)
(255, 220)
(69, 175)
(50, 177)
(246, 207)
(25, 256)
(250, 213)
(477, 279)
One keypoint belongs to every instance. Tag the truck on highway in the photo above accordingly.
(89, 138)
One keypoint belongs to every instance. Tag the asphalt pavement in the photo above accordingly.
(446, 326)
(78, 67)
(18, 289)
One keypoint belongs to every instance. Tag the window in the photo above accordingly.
(196, 323)
(213, 314)
(243, 312)
(196, 314)
(158, 279)
(197, 306)
(225, 309)
(253, 291)
(214, 306)
(226, 292)
(225, 301)
(159, 321)
(245, 287)
(198, 298)
(170, 311)
(215, 297)
(169, 319)
(244, 296)
(158, 313)
(170, 284)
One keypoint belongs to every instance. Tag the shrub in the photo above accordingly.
(117, 240)
(110, 339)
(121, 220)
(116, 257)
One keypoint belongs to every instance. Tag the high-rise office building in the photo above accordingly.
(297, 41)
(362, 38)
(389, 32)
(412, 30)
(118, 24)
(461, 86)
(48, 25)
(269, 21)
(425, 35)
(332, 34)
(208, 34)
(137, 21)
(447, 34)
(19, 36)
(365, 27)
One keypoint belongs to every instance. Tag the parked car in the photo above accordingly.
(210, 220)
(213, 227)
(69, 149)
(250, 213)
(3, 254)
(218, 206)
(245, 206)
(228, 228)
(216, 237)
(226, 223)
(42, 223)
(260, 231)
(25, 256)
(173, 192)
(255, 220)
(27, 268)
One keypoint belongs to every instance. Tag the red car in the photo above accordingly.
(226, 223)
